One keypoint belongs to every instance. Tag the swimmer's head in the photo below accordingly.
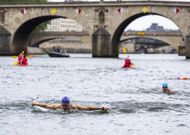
(65, 103)
(65, 100)
(165, 85)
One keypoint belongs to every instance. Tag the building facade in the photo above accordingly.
(59, 25)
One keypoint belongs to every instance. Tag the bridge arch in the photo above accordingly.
(36, 15)
(120, 29)
(37, 44)
(21, 36)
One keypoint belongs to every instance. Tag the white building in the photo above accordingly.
(64, 25)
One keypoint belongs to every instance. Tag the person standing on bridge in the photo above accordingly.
(67, 106)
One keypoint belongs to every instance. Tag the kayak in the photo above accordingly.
(17, 64)
(57, 54)
(131, 66)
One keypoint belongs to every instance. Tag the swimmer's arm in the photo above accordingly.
(168, 91)
(45, 105)
(89, 108)
(161, 90)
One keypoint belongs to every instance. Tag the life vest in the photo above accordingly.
(20, 58)
(127, 63)
(24, 61)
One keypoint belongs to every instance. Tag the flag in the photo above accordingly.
(119, 10)
(53, 11)
(23, 11)
(145, 9)
(176, 10)
(78, 11)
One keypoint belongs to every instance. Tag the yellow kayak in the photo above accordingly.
(15, 63)
(14, 57)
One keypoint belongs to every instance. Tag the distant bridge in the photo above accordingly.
(173, 38)
(38, 38)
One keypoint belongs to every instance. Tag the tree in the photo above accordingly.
(22, 1)
(41, 27)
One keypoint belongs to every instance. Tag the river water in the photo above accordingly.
(137, 105)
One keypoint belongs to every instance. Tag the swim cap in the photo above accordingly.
(164, 85)
(65, 100)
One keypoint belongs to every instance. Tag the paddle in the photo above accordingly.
(15, 63)
(14, 57)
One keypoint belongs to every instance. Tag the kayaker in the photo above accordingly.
(128, 63)
(67, 106)
(24, 60)
(20, 57)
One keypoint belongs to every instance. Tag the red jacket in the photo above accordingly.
(20, 58)
(127, 63)
(25, 61)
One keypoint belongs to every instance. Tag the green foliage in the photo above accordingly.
(22, 1)
(41, 27)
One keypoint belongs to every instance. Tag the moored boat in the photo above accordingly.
(57, 54)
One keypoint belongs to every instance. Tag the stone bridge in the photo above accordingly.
(104, 21)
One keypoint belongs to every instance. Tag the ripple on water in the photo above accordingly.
(134, 95)
(181, 125)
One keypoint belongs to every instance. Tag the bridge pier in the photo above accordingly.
(5, 42)
(19, 46)
(101, 44)
(181, 51)
(5, 48)
(187, 47)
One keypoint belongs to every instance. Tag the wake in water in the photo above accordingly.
(116, 107)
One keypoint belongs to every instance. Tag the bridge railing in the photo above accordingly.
(120, 2)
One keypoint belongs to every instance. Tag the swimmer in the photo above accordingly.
(165, 89)
(67, 106)
(183, 78)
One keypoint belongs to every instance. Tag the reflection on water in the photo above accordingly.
(134, 95)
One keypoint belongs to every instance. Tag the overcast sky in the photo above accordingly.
(144, 22)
